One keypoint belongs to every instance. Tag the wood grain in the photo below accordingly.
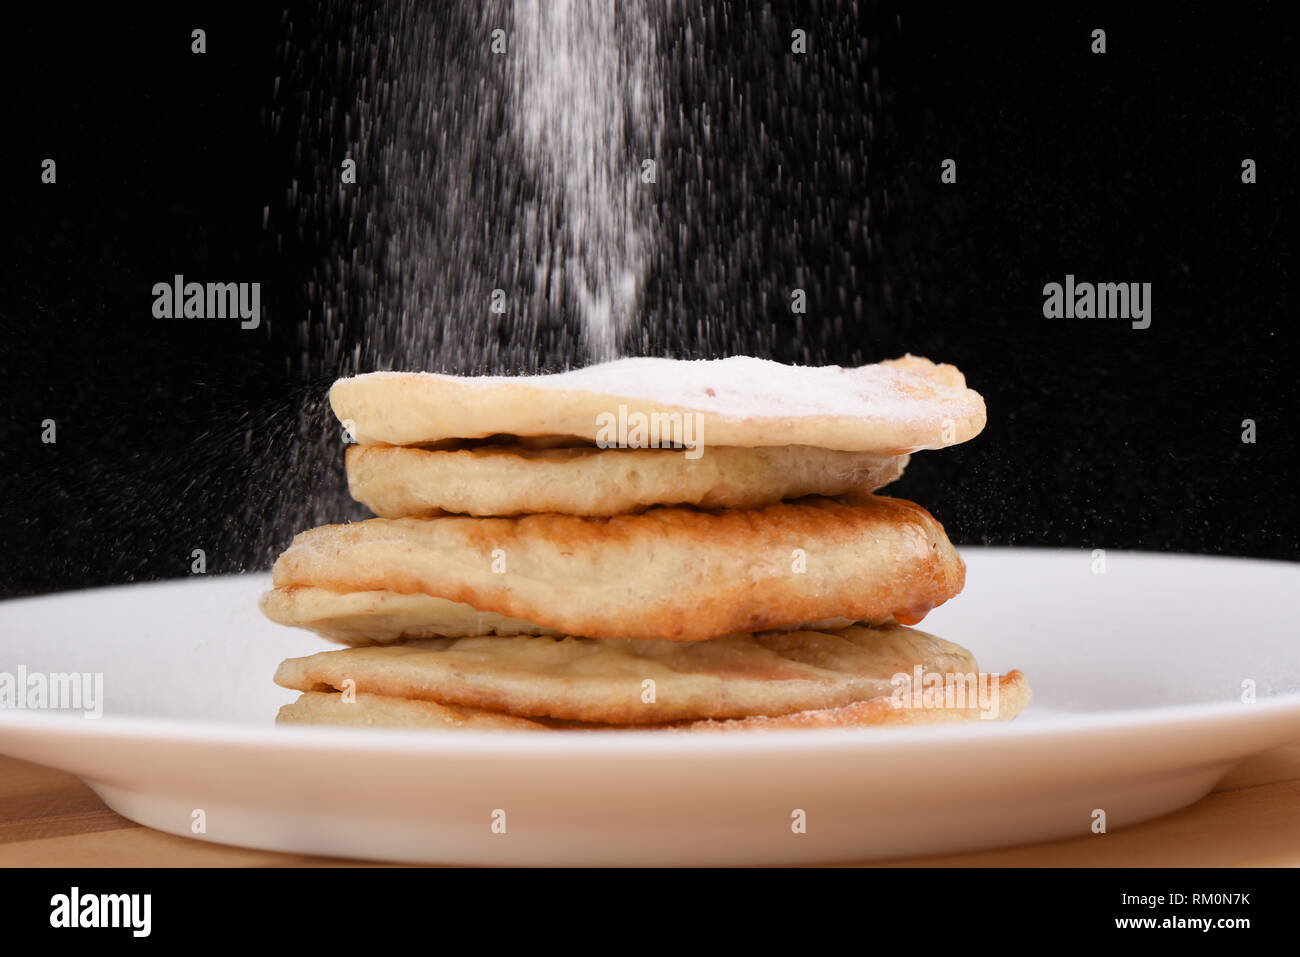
(49, 818)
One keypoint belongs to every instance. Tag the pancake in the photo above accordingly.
(368, 710)
(377, 711)
(394, 481)
(668, 573)
(893, 407)
(378, 617)
(604, 681)
(1012, 698)
(382, 617)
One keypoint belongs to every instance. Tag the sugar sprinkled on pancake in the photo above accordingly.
(901, 405)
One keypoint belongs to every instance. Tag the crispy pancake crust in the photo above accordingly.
(901, 405)
(676, 574)
(612, 681)
(396, 482)
(328, 708)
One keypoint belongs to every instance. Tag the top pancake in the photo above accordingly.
(894, 407)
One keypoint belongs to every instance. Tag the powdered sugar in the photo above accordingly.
(589, 110)
(743, 386)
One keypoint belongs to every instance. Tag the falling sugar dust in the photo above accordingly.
(500, 209)
(590, 114)
(541, 184)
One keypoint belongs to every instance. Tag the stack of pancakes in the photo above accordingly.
(647, 543)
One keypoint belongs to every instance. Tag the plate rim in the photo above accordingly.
(1218, 715)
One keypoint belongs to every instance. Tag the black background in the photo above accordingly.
(1126, 166)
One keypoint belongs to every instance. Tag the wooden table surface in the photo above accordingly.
(1251, 819)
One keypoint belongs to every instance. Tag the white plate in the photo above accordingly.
(1137, 677)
